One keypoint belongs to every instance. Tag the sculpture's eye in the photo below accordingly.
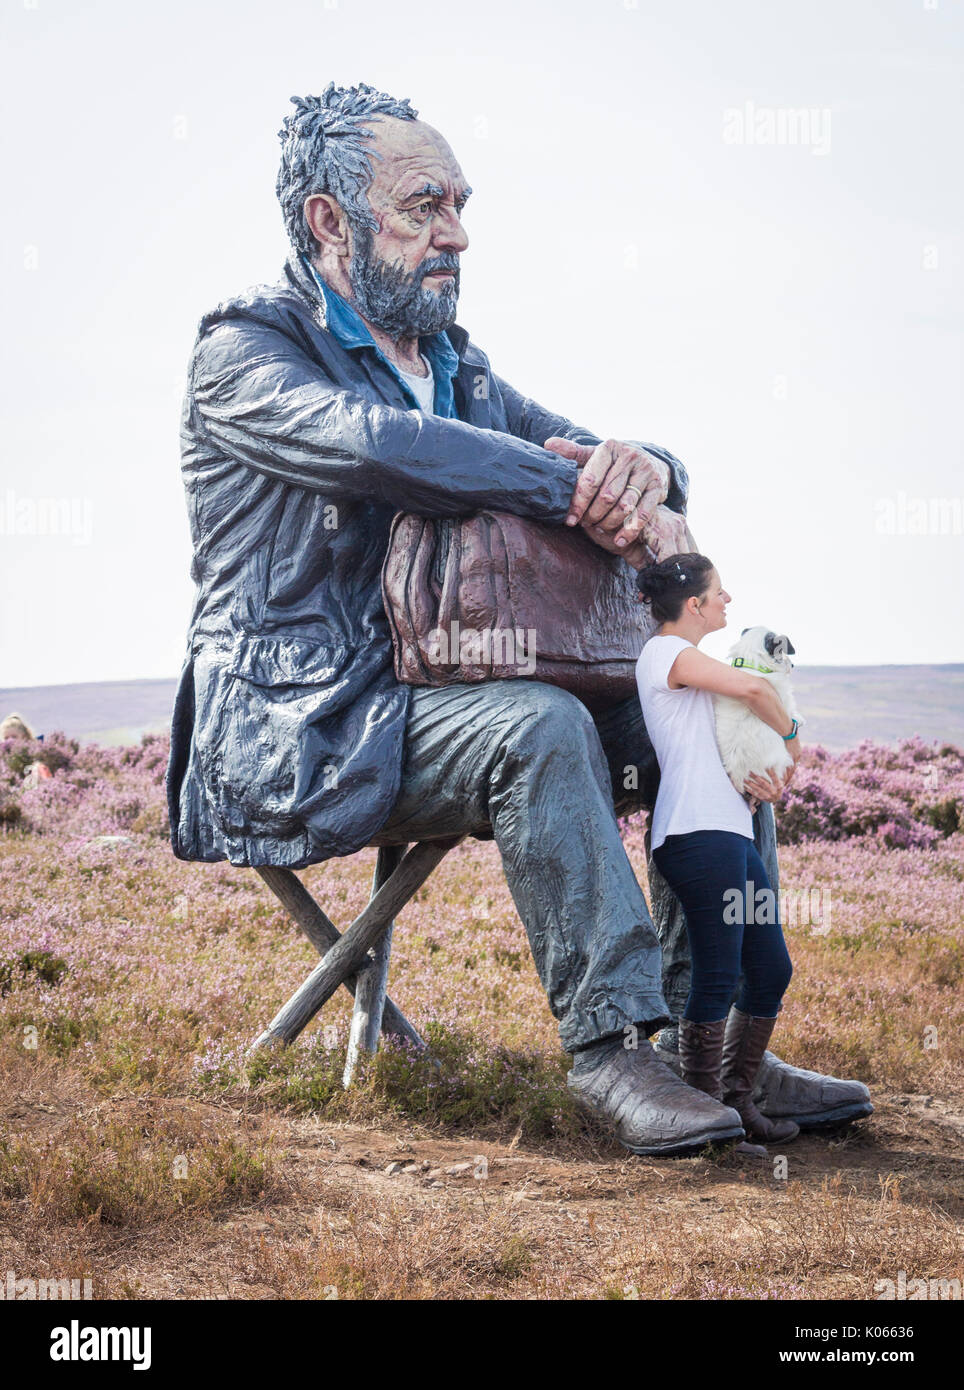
(421, 212)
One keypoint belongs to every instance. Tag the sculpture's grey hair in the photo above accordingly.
(322, 151)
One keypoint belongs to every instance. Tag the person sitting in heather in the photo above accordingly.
(702, 838)
(16, 727)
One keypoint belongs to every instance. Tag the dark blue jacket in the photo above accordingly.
(288, 725)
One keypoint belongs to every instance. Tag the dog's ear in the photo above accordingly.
(744, 632)
(791, 649)
(777, 644)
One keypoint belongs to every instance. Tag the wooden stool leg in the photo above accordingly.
(372, 988)
(323, 934)
(350, 954)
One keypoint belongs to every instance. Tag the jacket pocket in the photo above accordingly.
(266, 750)
(286, 661)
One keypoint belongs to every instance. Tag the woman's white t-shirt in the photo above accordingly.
(694, 791)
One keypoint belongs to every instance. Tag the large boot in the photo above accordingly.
(744, 1043)
(653, 1112)
(808, 1098)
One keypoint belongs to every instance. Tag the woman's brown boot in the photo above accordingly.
(701, 1060)
(744, 1042)
(701, 1055)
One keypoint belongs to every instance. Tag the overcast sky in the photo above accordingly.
(731, 229)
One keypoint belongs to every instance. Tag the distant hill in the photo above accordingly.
(844, 704)
(106, 712)
(841, 704)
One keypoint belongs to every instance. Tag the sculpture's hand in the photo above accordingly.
(668, 534)
(620, 486)
(637, 554)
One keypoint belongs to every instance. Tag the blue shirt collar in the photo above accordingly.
(350, 330)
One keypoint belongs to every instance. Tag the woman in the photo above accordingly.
(702, 838)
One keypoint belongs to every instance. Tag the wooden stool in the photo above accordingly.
(358, 959)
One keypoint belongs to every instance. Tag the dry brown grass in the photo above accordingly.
(285, 1191)
(296, 1208)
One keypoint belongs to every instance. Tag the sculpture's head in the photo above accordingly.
(373, 197)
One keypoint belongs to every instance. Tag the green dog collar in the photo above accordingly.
(751, 665)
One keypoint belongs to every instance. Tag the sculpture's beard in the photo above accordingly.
(395, 301)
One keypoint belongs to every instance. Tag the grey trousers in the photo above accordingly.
(528, 765)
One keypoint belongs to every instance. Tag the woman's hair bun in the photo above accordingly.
(644, 584)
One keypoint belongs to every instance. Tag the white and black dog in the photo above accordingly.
(746, 744)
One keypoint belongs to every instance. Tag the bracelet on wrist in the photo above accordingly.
(792, 734)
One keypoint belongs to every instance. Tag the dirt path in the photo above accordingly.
(394, 1211)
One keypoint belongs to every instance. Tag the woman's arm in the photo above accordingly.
(695, 668)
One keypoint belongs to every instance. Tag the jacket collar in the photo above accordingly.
(298, 274)
(302, 277)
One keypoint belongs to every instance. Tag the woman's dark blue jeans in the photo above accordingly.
(733, 927)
